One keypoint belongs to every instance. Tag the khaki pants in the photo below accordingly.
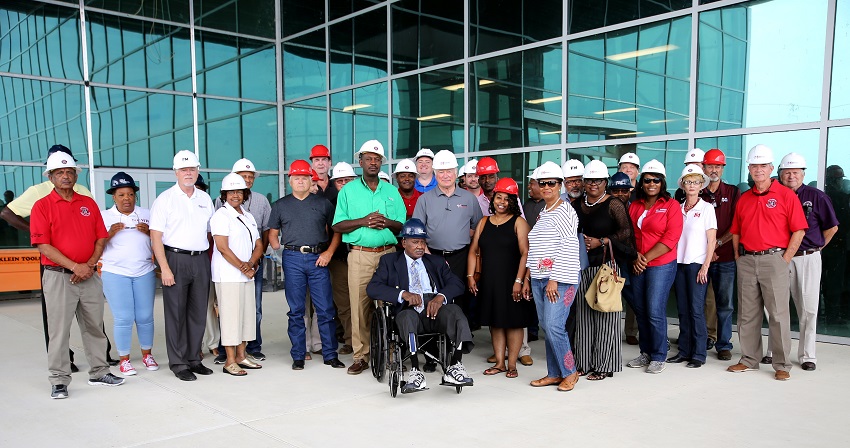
(64, 300)
(710, 313)
(342, 300)
(361, 267)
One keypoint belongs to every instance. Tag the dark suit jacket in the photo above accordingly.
(392, 277)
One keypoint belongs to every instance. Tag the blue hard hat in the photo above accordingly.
(60, 148)
(120, 180)
(620, 180)
(413, 228)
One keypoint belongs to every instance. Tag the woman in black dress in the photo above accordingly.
(501, 240)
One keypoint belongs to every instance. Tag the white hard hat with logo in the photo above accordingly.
(461, 171)
(596, 169)
(383, 175)
(342, 169)
(233, 181)
(372, 146)
(759, 154)
(629, 157)
(792, 160)
(572, 168)
(551, 170)
(533, 175)
(424, 152)
(693, 169)
(444, 160)
(470, 166)
(186, 159)
(243, 165)
(695, 155)
(405, 166)
(58, 160)
(654, 166)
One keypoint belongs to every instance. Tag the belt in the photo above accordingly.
(800, 253)
(58, 269)
(307, 249)
(448, 252)
(184, 251)
(372, 249)
(772, 250)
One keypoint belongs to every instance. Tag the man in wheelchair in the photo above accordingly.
(421, 288)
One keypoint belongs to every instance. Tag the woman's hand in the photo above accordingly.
(639, 265)
(473, 286)
(516, 294)
(115, 228)
(552, 291)
(702, 275)
(144, 228)
(526, 290)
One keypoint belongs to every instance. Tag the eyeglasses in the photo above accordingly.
(651, 180)
(692, 182)
(573, 182)
(548, 183)
(593, 181)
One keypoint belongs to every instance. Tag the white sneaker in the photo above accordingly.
(415, 382)
(150, 363)
(126, 368)
(456, 374)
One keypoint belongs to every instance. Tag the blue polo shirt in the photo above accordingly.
(819, 214)
(426, 188)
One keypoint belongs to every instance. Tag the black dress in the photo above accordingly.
(500, 258)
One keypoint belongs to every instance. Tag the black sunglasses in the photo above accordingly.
(651, 180)
(548, 183)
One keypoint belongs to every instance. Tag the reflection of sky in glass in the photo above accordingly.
(840, 103)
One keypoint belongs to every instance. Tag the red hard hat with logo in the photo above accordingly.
(320, 151)
(300, 168)
(506, 185)
(315, 175)
(487, 165)
(714, 157)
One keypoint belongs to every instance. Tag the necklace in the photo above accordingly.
(493, 220)
(689, 207)
(597, 201)
(553, 207)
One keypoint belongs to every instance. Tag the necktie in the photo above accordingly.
(416, 284)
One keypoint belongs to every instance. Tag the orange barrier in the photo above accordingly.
(19, 270)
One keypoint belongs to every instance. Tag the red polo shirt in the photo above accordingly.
(72, 226)
(766, 220)
(410, 203)
(662, 224)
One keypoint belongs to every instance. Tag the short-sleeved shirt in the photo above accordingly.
(820, 215)
(22, 205)
(767, 220)
(242, 234)
(128, 252)
(532, 209)
(553, 246)
(302, 222)
(693, 243)
(72, 227)
(425, 188)
(724, 201)
(258, 206)
(183, 220)
(357, 200)
(662, 223)
(448, 219)
(410, 202)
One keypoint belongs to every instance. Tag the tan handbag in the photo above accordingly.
(605, 293)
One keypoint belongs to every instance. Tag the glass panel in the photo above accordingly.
(742, 82)
(306, 125)
(264, 184)
(359, 49)
(357, 116)
(519, 165)
(235, 67)
(339, 8)
(253, 17)
(500, 24)
(630, 82)
(171, 10)
(35, 115)
(139, 129)
(230, 130)
(135, 53)
(41, 40)
(834, 313)
(428, 112)
(839, 105)
(517, 100)
(300, 16)
(589, 14)
(304, 65)
(670, 153)
(426, 33)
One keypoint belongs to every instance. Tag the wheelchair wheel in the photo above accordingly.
(394, 382)
(378, 344)
(459, 389)
(394, 366)
(445, 352)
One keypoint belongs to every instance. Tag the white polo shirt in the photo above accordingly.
(242, 234)
(183, 220)
(693, 243)
(128, 252)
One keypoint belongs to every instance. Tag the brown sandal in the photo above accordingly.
(233, 369)
(494, 371)
(512, 373)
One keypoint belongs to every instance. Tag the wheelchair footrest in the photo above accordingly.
(445, 383)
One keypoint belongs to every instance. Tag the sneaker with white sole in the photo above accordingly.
(106, 380)
(656, 367)
(456, 374)
(415, 382)
(150, 363)
(59, 391)
(640, 361)
(126, 368)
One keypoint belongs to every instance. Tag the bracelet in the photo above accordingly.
(469, 275)
(518, 280)
(75, 267)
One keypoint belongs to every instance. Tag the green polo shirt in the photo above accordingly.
(357, 200)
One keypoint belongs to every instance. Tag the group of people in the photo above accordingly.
(347, 240)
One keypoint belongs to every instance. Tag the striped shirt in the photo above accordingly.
(553, 246)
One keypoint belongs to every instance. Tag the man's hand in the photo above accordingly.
(324, 258)
(82, 271)
(434, 307)
(411, 298)
(375, 220)
(167, 277)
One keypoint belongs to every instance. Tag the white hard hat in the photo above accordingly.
(233, 181)
(596, 169)
(470, 166)
(629, 157)
(461, 171)
(385, 176)
(654, 166)
(792, 160)
(550, 170)
(693, 169)
(424, 152)
(243, 165)
(405, 166)
(759, 154)
(533, 175)
(58, 160)
(444, 160)
(572, 168)
(695, 155)
(372, 146)
(342, 169)
(186, 159)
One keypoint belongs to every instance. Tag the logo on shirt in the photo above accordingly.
(661, 210)
(696, 215)
(461, 205)
(771, 203)
(724, 199)
(85, 211)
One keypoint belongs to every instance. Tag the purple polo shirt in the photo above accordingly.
(819, 214)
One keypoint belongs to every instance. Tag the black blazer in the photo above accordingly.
(392, 277)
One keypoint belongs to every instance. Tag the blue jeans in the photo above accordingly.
(722, 277)
(299, 273)
(560, 362)
(131, 300)
(257, 344)
(690, 299)
(650, 291)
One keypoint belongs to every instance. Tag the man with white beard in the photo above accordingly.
(573, 172)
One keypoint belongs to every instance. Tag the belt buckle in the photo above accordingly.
(305, 250)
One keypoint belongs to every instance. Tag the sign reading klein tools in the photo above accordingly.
(19, 270)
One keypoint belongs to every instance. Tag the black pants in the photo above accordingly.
(450, 321)
(185, 305)
(458, 262)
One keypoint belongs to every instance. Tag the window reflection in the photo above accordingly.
(839, 105)
(358, 115)
(500, 24)
(253, 17)
(428, 112)
(358, 49)
(235, 67)
(589, 14)
(518, 166)
(339, 8)
(304, 65)
(300, 16)
(834, 312)
(426, 33)
(305, 124)
(40, 39)
(230, 130)
(172, 10)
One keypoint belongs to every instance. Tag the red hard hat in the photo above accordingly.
(315, 175)
(506, 185)
(300, 168)
(320, 151)
(714, 157)
(487, 165)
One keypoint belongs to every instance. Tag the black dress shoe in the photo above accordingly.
(186, 375)
(677, 359)
(709, 344)
(767, 360)
(335, 363)
(200, 369)
(298, 364)
(430, 367)
(112, 362)
(694, 364)
(808, 365)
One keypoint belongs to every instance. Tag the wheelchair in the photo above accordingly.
(388, 352)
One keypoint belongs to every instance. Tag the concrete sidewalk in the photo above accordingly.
(321, 406)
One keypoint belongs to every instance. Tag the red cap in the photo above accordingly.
(506, 185)
(300, 168)
(714, 157)
(487, 165)
(320, 151)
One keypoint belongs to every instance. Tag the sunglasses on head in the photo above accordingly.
(651, 180)
(548, 183)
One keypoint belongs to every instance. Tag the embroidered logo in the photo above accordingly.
(545, 265)
(85, 211)
(696, 215)
(64, 162)
(771, 203)
(724, 200)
